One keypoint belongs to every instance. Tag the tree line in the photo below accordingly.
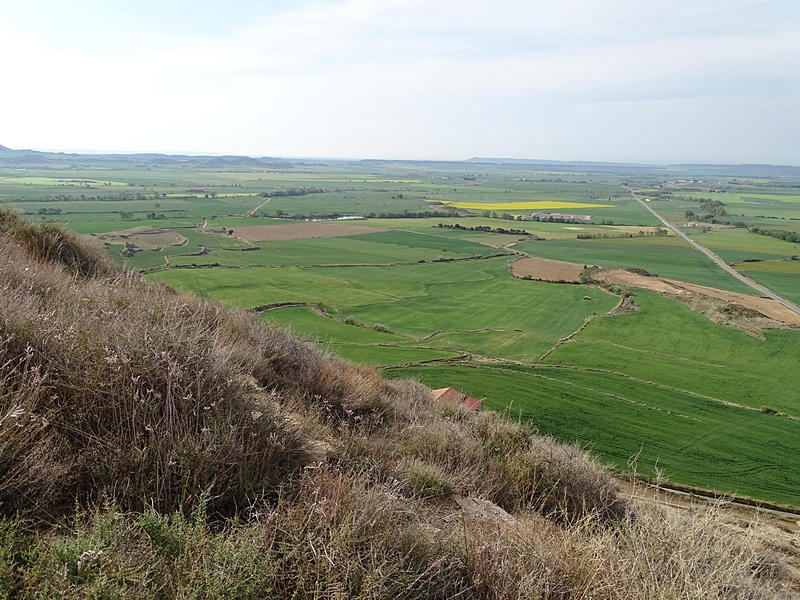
(786, 235)
(484, 228)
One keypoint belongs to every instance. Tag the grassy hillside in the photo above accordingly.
(158, 446)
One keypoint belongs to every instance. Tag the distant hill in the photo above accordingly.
(727, 170)
(537, 161)
(60, 160)
(38, 159)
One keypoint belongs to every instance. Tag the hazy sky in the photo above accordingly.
(619, 80)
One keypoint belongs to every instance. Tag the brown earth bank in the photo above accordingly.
(765, 306)
(752, 314)
(299, 231)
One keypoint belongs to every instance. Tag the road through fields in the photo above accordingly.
(253, 212)
(721, 263)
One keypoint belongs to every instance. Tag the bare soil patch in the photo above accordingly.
(299, 231)
(546, 269)
(758, 307)
(142, 238)
(751, 314)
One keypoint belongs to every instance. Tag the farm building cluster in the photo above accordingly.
(544, 216)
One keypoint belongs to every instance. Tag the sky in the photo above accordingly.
(618, 80)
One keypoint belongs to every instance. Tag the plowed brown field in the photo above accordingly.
(546, 269)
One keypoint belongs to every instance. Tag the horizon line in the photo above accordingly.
(473, 159)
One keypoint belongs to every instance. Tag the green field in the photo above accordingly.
(661, 384)
(738, 244)
(785, 267)
(667, 343)
(549, 231)
(341, 250)
(781, 276)
(664, 384)
(313, 326)
(754, 202)
(389, 355)
(477, 299)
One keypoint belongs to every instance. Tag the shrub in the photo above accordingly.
(51, 243)
(113, 386)
(341, 536)
(426, 481)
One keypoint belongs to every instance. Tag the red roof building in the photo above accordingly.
(451, 396)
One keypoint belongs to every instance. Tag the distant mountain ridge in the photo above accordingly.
(42, 159)
(542, 161)
(740, 170)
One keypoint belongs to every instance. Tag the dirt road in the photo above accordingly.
(257, 208)
(721, 263)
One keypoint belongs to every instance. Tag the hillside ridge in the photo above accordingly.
(155, 445)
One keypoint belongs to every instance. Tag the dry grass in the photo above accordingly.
(52, 244)
(339, 536)
(218, 457)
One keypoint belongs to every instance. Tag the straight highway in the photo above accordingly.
(764, 291)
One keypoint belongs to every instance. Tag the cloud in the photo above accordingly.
(411, 78)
